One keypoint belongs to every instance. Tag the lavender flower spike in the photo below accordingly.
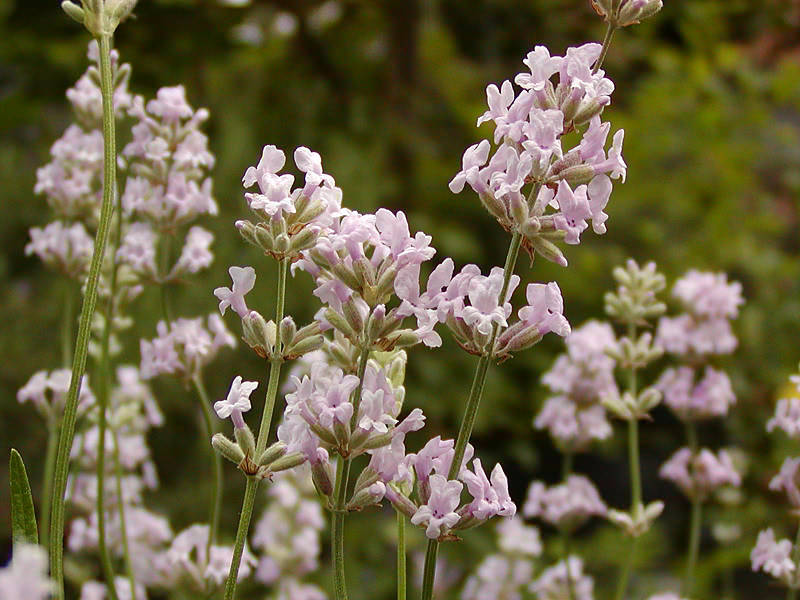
(244, 278)
(237, 402)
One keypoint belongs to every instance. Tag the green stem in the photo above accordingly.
(210, 430)
(472, 406)
(66, 326)
(47, 483)
(123, 532)
(791, 593)
(337, 533)
(566, 465)
(67, 433)
(165, 247)
(635, 476)
(606, 44)
(694, 545)
(696, 517)
(401, 556)
(340, 491)
(429, 572)
(103, 396)
(570, 581)
(263, 434)
(624, 576)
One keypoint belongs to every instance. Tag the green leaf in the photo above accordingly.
(23, 517)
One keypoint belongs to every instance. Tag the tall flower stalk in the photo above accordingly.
(101, 19)
(263, 433)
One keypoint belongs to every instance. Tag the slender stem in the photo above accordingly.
(635, 476)
(165, 247)
(340, 491)
(606, 44)
(695, 522)
(261, 442)
(47, 482)
(210, 430)
(104, 394)
(67, 431)
(337, 533)
(566, 470)
(624, 576)
(429, 572)
(401, 556)
(694, 545)
(473, 403)
(791, 593)
(570, 580)
(66, 325)
(479, 381)
(566, 465)
(123, 532)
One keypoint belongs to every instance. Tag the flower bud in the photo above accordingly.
(287, 462)
(365, 479)
(631, 12)
(531, 227)
(73, 10)
(245, 439)
(288, 330)
(401, 339)
(578, 175)
(519, 208)
(259, 334)
(367, 497)
(364, 271)
(548, 250)
(304, 240)
(271, 454)
(648, 400)
(227, 448)
(341, 325)
(400, 502)
(385, 284)
(304, 346)
(321, 476)
(354, 317)
(347, 276)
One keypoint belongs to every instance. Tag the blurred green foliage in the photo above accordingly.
(388, 92)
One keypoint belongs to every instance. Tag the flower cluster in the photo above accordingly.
(581, 378)
(289, 221)
(528, 128)
(710, 302)
(26, 575)
(288, 534)
(503, 575)
(48, 393)
(566, 579)
(132, 411)
(184, 347)
(698, 474)
(566, 505)
(167, 187)
(774, 558)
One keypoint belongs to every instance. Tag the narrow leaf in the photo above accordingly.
(23, 517)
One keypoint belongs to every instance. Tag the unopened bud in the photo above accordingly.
(271, 454)
(368, 496)
(632, 12)
(288, 330)
(227, 448)
(245, 439)
(321, 476)
(287, 462)
(73, 10)
(548, 250)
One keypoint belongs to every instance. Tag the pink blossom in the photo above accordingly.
(244, 279)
